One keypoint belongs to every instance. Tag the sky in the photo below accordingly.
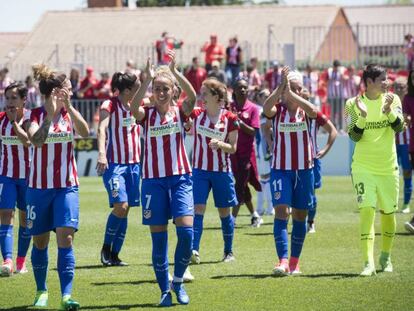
(22, 15)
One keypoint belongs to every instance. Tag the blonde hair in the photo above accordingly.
(48, 79)
(295, 76)
(41, 72)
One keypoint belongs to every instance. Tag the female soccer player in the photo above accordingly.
(118, 161)
(215, 138)
(373, 119)
(243, 161)
(14, 165)
(52, 195)
(292, 174)
(166, 182)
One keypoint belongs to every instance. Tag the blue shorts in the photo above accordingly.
(222, 184)
(165, 198)
(317, 173)
(403, 156)
(292, 187)
(12, 193)
(122, 183)
(48, 209)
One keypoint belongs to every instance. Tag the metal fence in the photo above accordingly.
(318, 46)
(88, 108)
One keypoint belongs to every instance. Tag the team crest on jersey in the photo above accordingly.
(245, 115)
(360, 199)
(147, 214)
(29, 224)
(115, 193)
(277, 195)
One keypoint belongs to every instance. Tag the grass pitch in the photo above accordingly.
(330, 262)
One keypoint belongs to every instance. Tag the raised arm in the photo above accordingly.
(38, 134)
(269, 107)
(189, 103)
(137, 111)
(80, 125)
(332, 132)
(355, 121)
(392, 109)
(20, 132)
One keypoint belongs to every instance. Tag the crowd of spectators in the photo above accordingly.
(329, 88)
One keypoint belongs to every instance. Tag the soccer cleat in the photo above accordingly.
(385, 263)
(21, 265)
(116, 261)
(311, 227)
(170, 278)
(409, 226)
(181, 294)
(270, 212)
(295, 271)
(166, 300)
(228, 257)
(195, 257)
(256, 221)
(41, 299)
(68, 304)
(369, 270)
(281, 269)
(405, 209)
(188, 277)
(106, 255)
(7, 268)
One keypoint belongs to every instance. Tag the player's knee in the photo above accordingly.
(200, 209)
(121, 209)
(282, 212)
(6, 216)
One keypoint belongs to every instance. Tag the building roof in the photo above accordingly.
(392, 23)
(9, 43)
(380, 15)
(81, 36)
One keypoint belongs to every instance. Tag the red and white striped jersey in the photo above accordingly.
(315, 124)
(53, 164)
(403, 138)
(205, 158)
(15, 158)
(122, 136)
(292, 148)
(164, 152)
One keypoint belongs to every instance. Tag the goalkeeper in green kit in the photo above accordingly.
(373, 119)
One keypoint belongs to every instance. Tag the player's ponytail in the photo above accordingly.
(48, 79)
(121, 81)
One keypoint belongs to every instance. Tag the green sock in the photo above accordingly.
(367, 231)
(388, 225)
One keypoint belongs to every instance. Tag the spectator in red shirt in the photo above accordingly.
(196, 75)
(103, 87)
(273, 77)
(214, 51)
(87, 85)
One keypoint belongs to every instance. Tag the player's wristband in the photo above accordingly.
(392, 116)
(361, 122)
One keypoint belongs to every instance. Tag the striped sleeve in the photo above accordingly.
(354, 132)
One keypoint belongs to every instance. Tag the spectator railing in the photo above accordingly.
(318, 46)
(88, 108)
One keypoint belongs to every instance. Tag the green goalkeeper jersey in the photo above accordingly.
(375, 150)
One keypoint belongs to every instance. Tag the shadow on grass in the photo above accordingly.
(125, 283)
(236, 276)
(30, 307)
(403, 233)
(89, 267)
(121, 307)
(212, 228)
(334, 276)
(259, 233)
(212, 262)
